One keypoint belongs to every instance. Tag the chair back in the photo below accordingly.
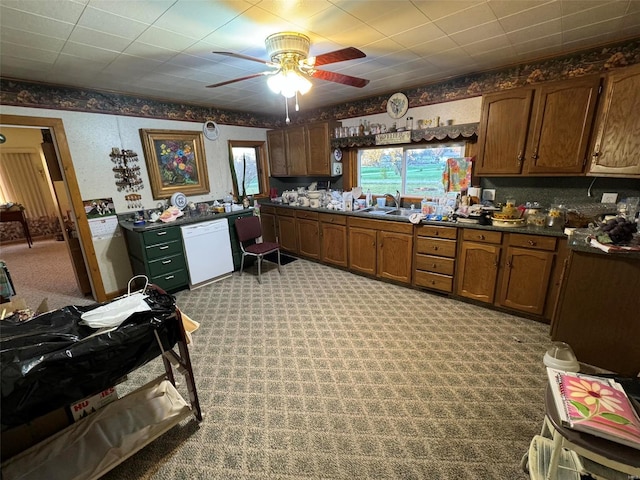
(248, 228)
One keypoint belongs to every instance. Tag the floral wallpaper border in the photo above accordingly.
(57, 97)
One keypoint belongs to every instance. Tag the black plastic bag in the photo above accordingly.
(51, 360)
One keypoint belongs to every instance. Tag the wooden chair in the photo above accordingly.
(249, 230)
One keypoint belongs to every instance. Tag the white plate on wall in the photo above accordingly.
(179, 200)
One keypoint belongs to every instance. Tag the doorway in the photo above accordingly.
(70, 182)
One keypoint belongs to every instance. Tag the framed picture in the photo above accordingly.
(176, 162)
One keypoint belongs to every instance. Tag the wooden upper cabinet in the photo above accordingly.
(295, 138)
(318, 149)
(300, 150)
(616, 144)
(504, 124)
(277, 153)
(561, 121)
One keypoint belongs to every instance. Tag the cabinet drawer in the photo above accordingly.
(487, 236)
(430, 263)
(267, 209)
(436, 231)
(286, 212)
(164, 249)
(532, 241)
(163, 235)
(163, 265)
(306, 214)
(436, 246)
(171, 280)
(436, 281)
(335, 219)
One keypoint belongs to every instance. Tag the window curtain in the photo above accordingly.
(23, 180)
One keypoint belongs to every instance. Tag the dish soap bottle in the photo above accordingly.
(368, 197)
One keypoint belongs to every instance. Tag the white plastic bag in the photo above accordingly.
(114, 313)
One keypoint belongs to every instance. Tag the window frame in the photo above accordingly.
(412, 146)
(261, 163)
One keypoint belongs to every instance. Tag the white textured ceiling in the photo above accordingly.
(163, 48)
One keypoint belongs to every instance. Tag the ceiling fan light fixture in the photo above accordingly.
(288, 83)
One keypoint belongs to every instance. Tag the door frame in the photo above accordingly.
(69, 177)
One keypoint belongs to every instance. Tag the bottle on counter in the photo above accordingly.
(424, 206)
(369, 198)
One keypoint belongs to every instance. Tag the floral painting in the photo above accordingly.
(176, 162)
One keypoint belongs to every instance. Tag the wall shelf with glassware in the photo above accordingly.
(443, 133)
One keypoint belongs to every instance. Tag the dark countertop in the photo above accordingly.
(528, 229)
(185, 219)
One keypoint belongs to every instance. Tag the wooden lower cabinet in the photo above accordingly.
(515, 271)
(287, 233)
(379, 248)
(477, 273)
(308, 234)
(333, 240)
(434, 258)
(363, 247)
(598, 313)
(269, 225)
(394, 256)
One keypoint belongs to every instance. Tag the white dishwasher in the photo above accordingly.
(207, 248)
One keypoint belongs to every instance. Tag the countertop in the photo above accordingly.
(185, 219)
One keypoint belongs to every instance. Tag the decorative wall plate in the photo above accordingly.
(179, 200)
(337, 154)
(397, 105)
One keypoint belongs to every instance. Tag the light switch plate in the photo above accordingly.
(609, 198)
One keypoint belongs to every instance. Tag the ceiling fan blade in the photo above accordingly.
(245, 57)
(340, 78)
(237, 79)
(349, 53)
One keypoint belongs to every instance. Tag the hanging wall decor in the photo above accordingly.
(126, 171)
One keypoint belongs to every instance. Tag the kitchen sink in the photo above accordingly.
(377, 210)
(404, 212)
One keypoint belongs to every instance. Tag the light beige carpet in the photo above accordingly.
(322, 374)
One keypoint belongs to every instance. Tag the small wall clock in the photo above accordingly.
(397, 105)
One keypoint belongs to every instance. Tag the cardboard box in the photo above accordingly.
(89, 405)
(20, 438)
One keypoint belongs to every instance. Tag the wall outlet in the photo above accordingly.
(609, 198)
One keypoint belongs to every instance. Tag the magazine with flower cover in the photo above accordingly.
(595, 405)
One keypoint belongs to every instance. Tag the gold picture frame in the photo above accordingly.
(176, 162)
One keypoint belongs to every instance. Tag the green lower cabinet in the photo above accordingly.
(159, 255)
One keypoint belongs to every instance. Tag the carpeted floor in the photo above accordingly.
(322, 374)
(43, 272)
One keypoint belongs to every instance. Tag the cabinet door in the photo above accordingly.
(561, 125)
(394, 256)
(318, 152)
(334, 244)
(308, 238)
(503, 130)
(296, 151)
(269, 232)
(477, 271)
(525, 280)
(362, 250)
(288, 237)
(617, 139)
(277, 153)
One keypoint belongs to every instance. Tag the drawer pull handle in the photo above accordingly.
(166, 262)
(164, 247)
(532, 243)
(481, 237)
(161, 233)
(434, 265)
(170, 277)
(435, 248)
(437, 233)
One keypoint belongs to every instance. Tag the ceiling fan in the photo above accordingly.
(290, 65)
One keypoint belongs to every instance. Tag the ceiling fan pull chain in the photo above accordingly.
(297, 106)
(286, 109)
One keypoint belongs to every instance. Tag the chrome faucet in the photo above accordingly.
(396, 198)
